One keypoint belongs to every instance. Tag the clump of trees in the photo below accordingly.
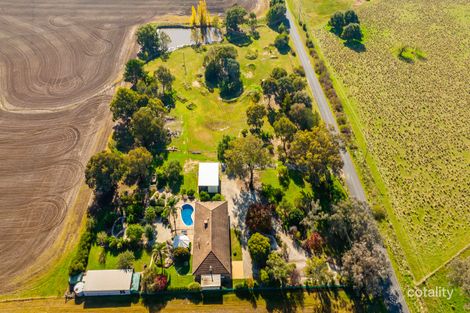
(153, 43)
(223, 70)
(236, 18)
(200, 16)
(346, 25)
(276, 15)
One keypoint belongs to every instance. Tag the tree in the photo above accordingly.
(222, 69)
(102, 238)
(278, 268)
(337, 22)
(148, 128)
(134, 233)
(171, 209)
(138, 162)
(244, 156)
(303, 117)
(160, 253)
(234, 17)
(150, 214)
(352, 32)
(104, 171)
(366, 268)
(255, 117)
(259, 218)
(204, 18)
(223, 145)
(152, 43)
(125, 260)
(173, 175)
(350, 221)
(314, 243)
(276, 15)
(269, 86)
(315, 153)
(134, 71)
(317, 270)
(259, 248)
(285, 130)
(125, 102)
(193, 19)
(253, 22)
(165, 78)
(181, 255)
(350, 17)
(459, 273)
(282, 42)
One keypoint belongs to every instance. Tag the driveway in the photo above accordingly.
(394, 300)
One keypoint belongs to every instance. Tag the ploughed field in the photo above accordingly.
(59, 61)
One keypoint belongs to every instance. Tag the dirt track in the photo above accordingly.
(58, 62)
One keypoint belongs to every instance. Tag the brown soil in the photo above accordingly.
(59, 63)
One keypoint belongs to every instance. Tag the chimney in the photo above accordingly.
(206, 223)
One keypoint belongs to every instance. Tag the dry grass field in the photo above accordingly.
(59, 62)
(414, 118)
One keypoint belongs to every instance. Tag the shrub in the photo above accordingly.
(125, 260)
(282, 42)
(259, 248)
(194, 286)
(264, 277)
(217, 197)
(181, 255)
(352, 32)
(150, 214)
(80, 260)
(102, 238)
(160, 283)
(102, 256)
(134, 233)
(204, 196)
(258, 218)
(149, 232)
(271, 194)
(190, 193)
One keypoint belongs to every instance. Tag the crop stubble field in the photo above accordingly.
(414, 117)
(59, 61)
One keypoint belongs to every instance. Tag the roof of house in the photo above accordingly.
(107, 280)
(208, 174)
(211, 246)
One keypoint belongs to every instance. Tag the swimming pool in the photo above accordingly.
(187, 214)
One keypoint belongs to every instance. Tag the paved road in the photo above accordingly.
(395, 300)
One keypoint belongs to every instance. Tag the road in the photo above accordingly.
(394, 299)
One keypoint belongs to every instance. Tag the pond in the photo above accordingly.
(186, 214)
(182, 37)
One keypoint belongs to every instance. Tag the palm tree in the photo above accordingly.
(171, 209)
(160, 252)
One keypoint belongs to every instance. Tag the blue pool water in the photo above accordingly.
(186, 214)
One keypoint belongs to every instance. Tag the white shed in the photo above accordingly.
(107, 282)
(208, 177)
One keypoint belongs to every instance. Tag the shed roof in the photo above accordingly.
(107, 280)
(208, 174)
(211, 246)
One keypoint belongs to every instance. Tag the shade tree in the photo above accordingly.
(134, 71)
(138, 162)
(104, 171)
(153, 43)
(259, 248)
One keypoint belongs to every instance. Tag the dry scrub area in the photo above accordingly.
(415, 118)
(58, 63)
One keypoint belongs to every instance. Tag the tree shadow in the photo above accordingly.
(158, 301)
(283, 301)
(123, 138)
(285, 49)
(182, 268)
(297, 178)
(239, 39)
(355, 45)
(107, 301)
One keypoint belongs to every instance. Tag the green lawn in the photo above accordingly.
(235, 246)
(296, 185)
(203, 117)
(317, 12)
(142, 258)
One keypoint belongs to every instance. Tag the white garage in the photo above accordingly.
(107, 282)
(208, 177)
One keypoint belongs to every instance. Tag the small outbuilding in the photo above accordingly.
(208, 177)
(109, 282)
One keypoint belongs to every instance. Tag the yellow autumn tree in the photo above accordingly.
(193, 20)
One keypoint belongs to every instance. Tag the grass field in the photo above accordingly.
(410, 122)
(236, 247)
(142, 258)
(201, 116)
(269, 302)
